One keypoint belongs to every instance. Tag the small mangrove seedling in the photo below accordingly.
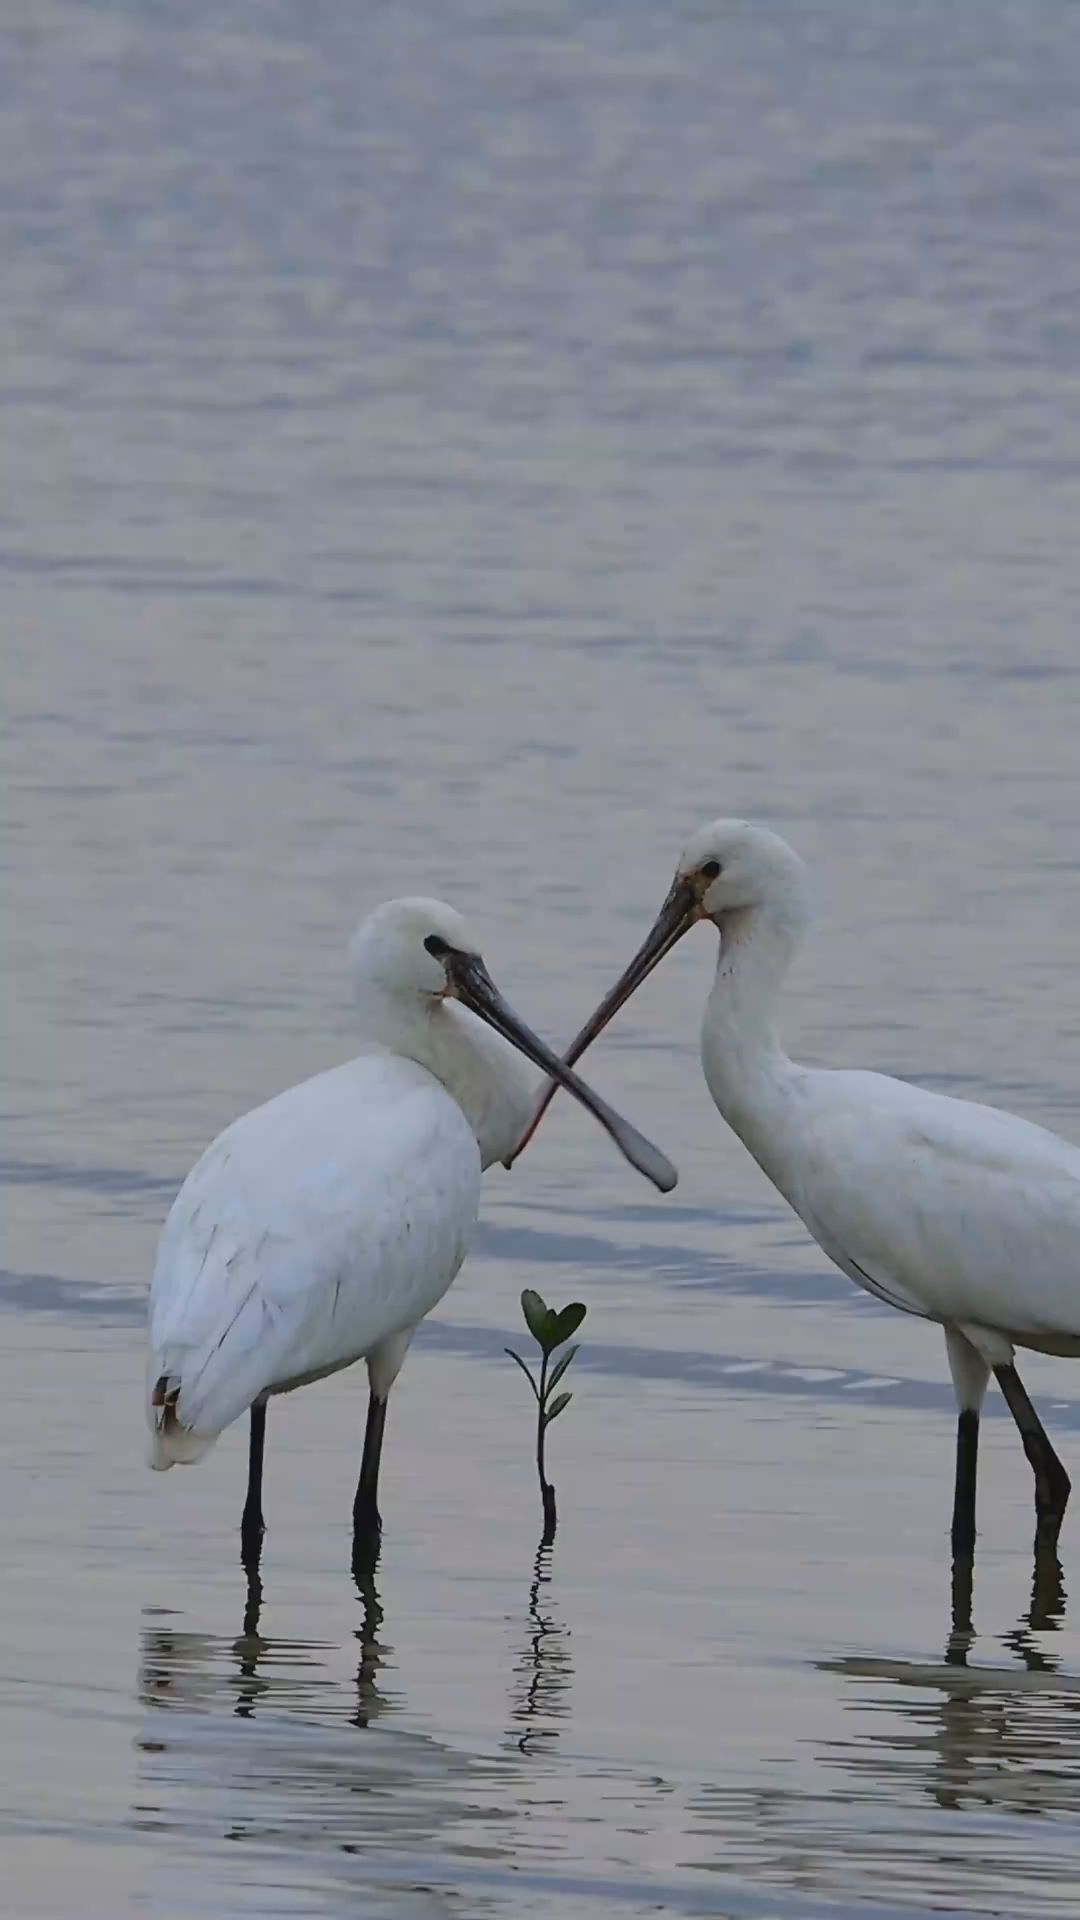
(550, 1329)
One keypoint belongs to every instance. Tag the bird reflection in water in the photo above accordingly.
(184, 1669)
(369, 1700)
(980, 1734)
(255, 1739)
(250, 1646)
(1045, 1613)
(544, 1671)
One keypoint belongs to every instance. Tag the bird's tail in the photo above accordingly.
(171, 1445)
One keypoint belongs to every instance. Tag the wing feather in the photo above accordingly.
(948, 1208)
(311, 1229)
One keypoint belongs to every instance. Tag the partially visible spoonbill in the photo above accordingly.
(959, 1212)
(319, 1229)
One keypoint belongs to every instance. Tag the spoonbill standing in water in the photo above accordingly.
(962, 1213)
(319, 1229)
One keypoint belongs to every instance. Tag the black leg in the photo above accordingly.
(960, 1639)
(252, 1526)
(967, 1461)
(1052, 1484)
(366, 1522)
(1047, 1611)
(253, 1607)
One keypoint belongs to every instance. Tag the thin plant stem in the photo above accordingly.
(547, 1491)
(540, 1421)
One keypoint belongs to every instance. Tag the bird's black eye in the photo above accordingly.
(710, 870)
(437, 946)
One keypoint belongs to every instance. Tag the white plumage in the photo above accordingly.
(303, 1240)
(958, 1212)
(321, 1228)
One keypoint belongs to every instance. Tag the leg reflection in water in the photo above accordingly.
(972, 1731)
(370, 1701)
(204, 1672)
(249, 1647)
(1045, 1613)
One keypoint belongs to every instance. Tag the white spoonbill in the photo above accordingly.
(962, 1213)
(319, 1229)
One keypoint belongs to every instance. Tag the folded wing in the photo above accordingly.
(947, 1208)
(311, 1229)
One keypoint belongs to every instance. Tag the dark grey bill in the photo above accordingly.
(676, 917)
(477, 990)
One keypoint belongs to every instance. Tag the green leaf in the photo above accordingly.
(560, 1367)
(568, 1322)
(560, 1401)
(537, 1314)
(525, 1371)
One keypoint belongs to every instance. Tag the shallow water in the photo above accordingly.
(457, 448)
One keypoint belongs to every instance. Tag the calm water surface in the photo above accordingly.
(456, 448)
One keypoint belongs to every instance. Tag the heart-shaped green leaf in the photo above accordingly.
(537, 1315)
(568, 1322)
(560, 1401)
(560, 1367)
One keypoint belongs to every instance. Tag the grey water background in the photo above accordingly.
(459, 447)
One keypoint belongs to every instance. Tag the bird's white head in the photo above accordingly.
(731, 866)
(410, 956)
(733, 873)
(401, 948)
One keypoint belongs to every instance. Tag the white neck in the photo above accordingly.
(748, 1073)
(491, 1082)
